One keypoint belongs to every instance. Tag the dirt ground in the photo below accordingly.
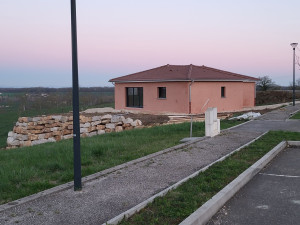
(151, 120)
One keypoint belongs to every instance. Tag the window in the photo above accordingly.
(223, 92)
(134, 97)
(162, 92)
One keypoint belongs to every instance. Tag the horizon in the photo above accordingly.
(120, 38)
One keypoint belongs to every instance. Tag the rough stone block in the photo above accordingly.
(116, 119)
(55, 129)
(70, 127)
(48, 135)
(9, 140)
(64, 119)
(126, 125)
(119, 128)
(92, 134)
(39, 127)
(66, 132)
(37, 142)
(11, 134)
(128, 121)
(85, 125)
(136, 123)
(36, 119)
(91, 129)
(57, 117)
(12, 142)
(96, 118)
(106, 117)
(99, 132)
(57, 133)
(110, 126)
(51, 139)
(69, 136)
(105, 121)
(33, 137)
(84, 130)
(95, 123)
(21, 137)
(107, 130)
(31, 127)
(42, 122)
(18, 124)
(100, 127)
(46, 130)
(41, 136)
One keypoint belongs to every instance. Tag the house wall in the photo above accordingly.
(249, 94)
(177, 97)
(237, 96)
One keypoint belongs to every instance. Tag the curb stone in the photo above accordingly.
(143, 204)
(203, 214)
(94, 176)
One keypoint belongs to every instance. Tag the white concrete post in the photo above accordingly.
(212, 123)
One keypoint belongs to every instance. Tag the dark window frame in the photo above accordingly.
(223, 92)
(134, 97)
(162, 92)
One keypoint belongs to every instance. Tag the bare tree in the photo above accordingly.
(265, 83)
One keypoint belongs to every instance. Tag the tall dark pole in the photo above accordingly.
(76, 125)
(294, 77)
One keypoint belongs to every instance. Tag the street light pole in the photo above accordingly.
(294, 45)
(76, 125)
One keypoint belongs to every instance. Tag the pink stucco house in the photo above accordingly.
(184, 89)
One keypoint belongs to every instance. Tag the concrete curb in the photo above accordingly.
(293, 143)
(292, 114)
(203, 214)
(93, 176)
(143, 204)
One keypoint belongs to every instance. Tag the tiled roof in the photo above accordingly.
(183, 73)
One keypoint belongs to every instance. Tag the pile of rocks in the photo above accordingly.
(30, 131)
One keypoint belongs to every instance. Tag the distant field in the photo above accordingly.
(30, 103)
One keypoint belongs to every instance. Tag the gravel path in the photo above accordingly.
(110, 195)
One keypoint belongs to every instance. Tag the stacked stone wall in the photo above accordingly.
(30, 131)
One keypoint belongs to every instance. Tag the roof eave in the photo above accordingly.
(199, 80)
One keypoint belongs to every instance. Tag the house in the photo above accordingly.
(184, 89)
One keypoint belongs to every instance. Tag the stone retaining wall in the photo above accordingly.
(30, 131)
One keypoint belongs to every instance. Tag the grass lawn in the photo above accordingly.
(183, 201)
(28, 170)
(296, 116)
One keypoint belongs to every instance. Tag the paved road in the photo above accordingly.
(271, 197)
(114, 193)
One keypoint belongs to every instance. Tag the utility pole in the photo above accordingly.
(75, 90)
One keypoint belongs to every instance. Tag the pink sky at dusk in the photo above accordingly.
(116, 38)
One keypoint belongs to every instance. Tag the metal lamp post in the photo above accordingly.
(76, 125)
(294, 45)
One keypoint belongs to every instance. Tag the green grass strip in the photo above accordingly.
(28, 170)
(296, 116)
(188, 197)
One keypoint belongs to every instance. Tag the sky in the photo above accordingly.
(118, 37)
